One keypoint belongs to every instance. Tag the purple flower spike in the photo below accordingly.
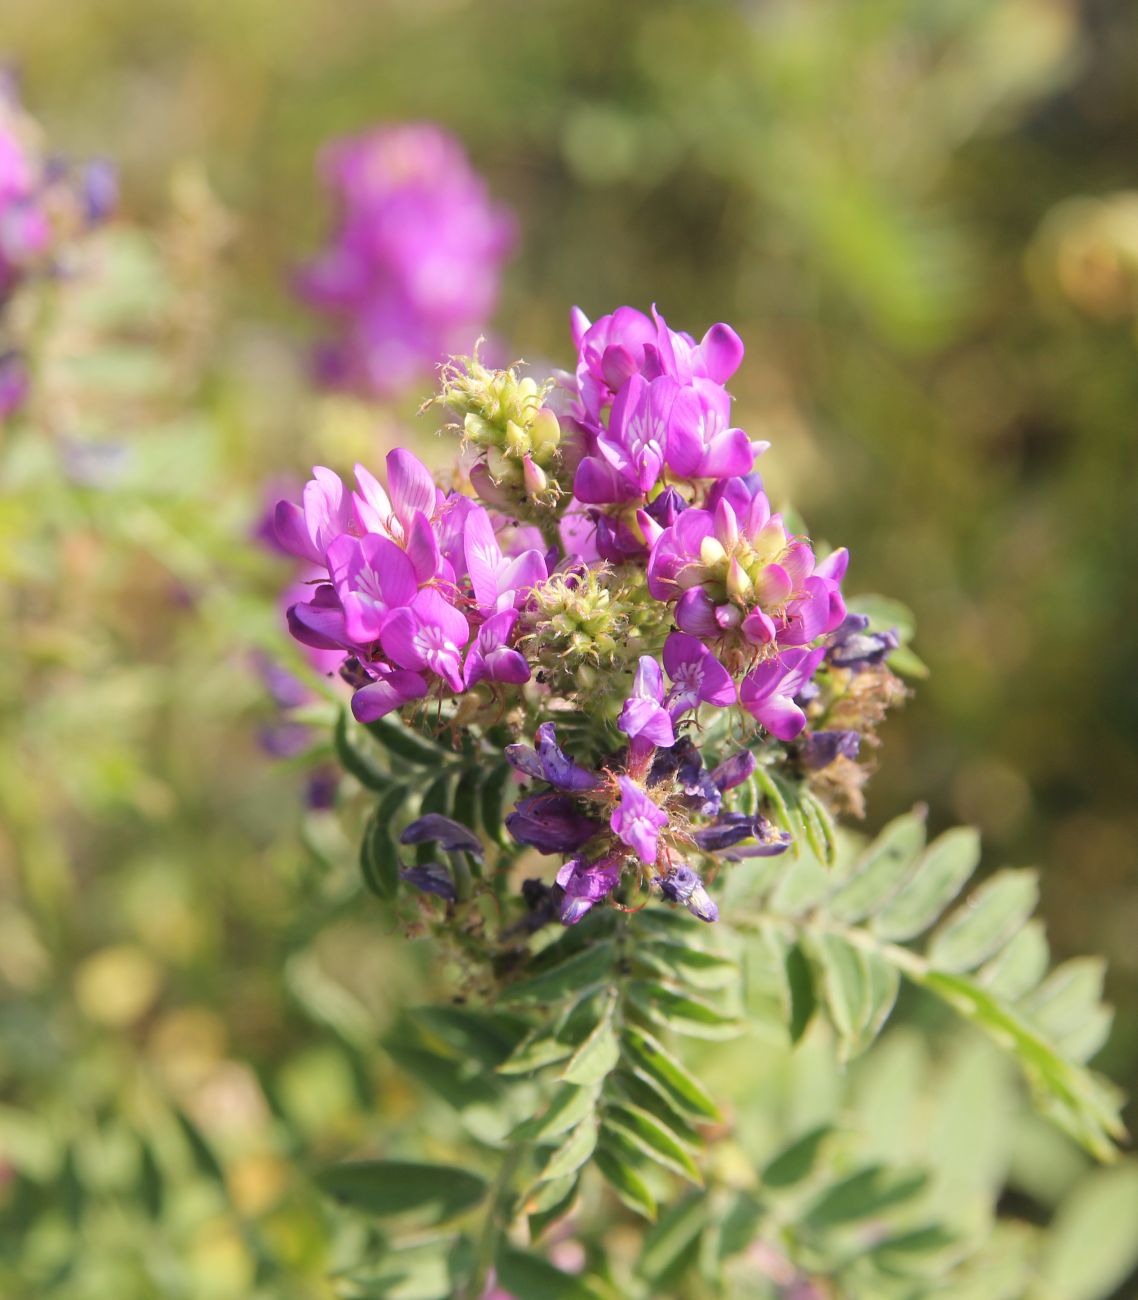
(697, 676)
(821, 748)
(431, 878)
(735, 770)
(644, 720)
(637, 821)
(551, 823)
(586, 883)
(451, 836)
(768, 691)
(683, 885)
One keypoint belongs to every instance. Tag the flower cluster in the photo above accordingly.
(412, 269)
(611, 566)
(45, 204)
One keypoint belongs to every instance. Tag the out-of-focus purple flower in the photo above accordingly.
(412, 270)
(637, 820)
(821, 748)
(697, 676)
(737, 568)
(451, 836)
(551, 823)
(767, 692)
(853, 646)
(586, 883)
(321, 786)
(13, 383)
(431, 878)
(644, 719)
(683, 885)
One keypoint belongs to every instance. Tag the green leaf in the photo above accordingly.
(650, 1056)
(864, 1194)
(880, 871)
(598, 1054)
(795, 1163)
(940, 875)
(843, 983)
(568, 977)
(691, 966)
(1067, 996)
(354, 761)
(671, 1244)
(523, 1274)
(494, 790)
(1092, 1246)
(1074, 1099)
(379, 855)
(572, 1153)
(818, 826)
(801, 1002)
(465, 804)
(551, 1201)
(1019, 968)
(202, 1152)
(488, 1037)
(535, 1052)
(986, 922)
(652, 1137)
(569, 1107)
(683, 1014)
(629, 1187)
(401, 742)
(429, 1193)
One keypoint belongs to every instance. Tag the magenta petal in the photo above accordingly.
(781, 717)
(386, 695)
(617, 365)
(422, 548)
(685, 434)
(292, 532)
(410, 484)
(579, 325)
(695, 613)
(398, 639)
(834, 565)
(597, 483)
(722, 351)
(759, 628)
(484, 560)
(729, 453)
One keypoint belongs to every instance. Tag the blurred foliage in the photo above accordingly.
(918, 213)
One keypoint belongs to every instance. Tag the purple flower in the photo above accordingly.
(644, 719)
(733, 828)
(549, 762)
(619, 540)
(630, 453)
(586, 883)
(821, 748)
(391, 690)
(325, 512)
(499, 582)
(491, 657)
(697, 676)
(768, 691)
(637, 820)
(735, 770)
(13, 383)
(430, 633)
(701, 443)
(431, 878)
(372, 577)
(551, 823)
(683, 885)
(735, 568)
(853, 646)
(413, 266)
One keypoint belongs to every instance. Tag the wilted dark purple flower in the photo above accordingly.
(683, 885)
(451, 836)
(853, 646)
(551, 823)
(549, 762)
(734, 827)
(586, 883)
(735, 770)
(431, 878)
(821, 748)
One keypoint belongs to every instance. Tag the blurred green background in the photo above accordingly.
(919, 216)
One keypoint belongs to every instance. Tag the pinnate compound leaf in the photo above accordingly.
(795, 1163)
(864, 1194)
(524, 1274)
(598, 1054)
(940, 875)
(551, 1201)
(492, 802)
(881, 870)
(986, 922)
(569, 977)
(671, 1244)
(572, 1153)
(686, 1015)
(404, 744)
(569, 1107)
(429, 1193)
(1092, 1246)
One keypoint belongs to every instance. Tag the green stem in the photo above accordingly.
(498, 1218)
